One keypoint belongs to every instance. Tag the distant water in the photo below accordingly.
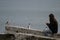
(37, 20)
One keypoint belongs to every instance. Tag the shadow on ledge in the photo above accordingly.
(7, 37)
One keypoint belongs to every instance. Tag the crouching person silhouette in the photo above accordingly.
(53, 25)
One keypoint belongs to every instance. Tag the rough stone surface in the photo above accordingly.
(25, 34)
(7, 37)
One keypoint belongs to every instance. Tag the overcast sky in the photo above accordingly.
(22, 12)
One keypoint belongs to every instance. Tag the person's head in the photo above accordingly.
(51, 16)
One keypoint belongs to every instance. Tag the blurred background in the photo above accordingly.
(22, 12)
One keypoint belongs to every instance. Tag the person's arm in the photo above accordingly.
(48, 24)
